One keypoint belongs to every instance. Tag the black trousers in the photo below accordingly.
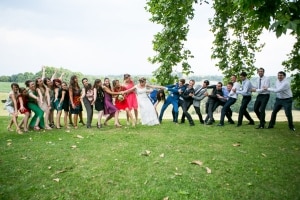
(260, 107)
(226, 110)
(287, 105)
(243, 110)
(185, 105)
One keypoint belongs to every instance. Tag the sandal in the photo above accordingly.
(118, 125)
(36, 128)
(48, 128)
(19, 131)
(9, 129)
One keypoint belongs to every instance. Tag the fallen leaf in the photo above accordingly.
(208, 170)
(67, 131)
(264, 155)
(73, 146)
(49, 167)
(9, 140)
(59, 139)
(79, 136)
(166, 198)
(236, 144)
(56, 179)
(9, 143)
(146, 153)
(197, 162)
(162, 155)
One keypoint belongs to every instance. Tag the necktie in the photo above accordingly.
(259, 85)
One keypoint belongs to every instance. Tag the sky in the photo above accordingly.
(105, 37)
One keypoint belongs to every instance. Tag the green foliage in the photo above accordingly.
(236, 39)
(293, 65)
(174, 17)
(109, 163)
(237, 25)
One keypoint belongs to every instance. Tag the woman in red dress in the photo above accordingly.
(131, 97)
(22, 106)
(121, 101)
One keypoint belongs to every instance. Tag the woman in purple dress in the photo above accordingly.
(109, 108)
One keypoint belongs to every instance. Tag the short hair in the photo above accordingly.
(230, 83)
(282, 72)
(261, 69)
(220, 83)
(206, 82)
(182, 81)
(244, 74)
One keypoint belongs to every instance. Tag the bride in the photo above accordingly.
(147, 110)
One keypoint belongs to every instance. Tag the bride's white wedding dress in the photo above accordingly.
(147, 110)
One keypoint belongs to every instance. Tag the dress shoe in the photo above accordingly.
(269, 127)
(251, 123)
(220, 125)
(209, 123)
(260, 127)
(238, 125)
(202, 122)
(292, 129)
(192, 124)
(231, 122)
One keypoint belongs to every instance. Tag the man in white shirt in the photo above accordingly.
(246, 92)
(262, 97)
(284, 98)
(232, 97)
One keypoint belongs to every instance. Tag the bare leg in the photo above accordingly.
(58, 119)
(100, 114)
(75, 120)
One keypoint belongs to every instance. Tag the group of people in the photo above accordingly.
(43, 96)
(184, 95)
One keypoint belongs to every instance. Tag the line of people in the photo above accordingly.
(44, 95)
(184, 95)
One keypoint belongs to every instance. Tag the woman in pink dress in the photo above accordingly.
(131, 97)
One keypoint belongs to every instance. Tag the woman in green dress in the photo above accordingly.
(37, 121)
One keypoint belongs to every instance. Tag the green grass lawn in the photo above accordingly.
(151, 163)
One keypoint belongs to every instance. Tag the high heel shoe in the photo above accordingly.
(99, 126)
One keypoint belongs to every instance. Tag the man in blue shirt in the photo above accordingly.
(173, 97)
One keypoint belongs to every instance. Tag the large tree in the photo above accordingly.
(236, 25)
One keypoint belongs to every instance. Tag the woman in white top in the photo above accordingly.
(11, 107)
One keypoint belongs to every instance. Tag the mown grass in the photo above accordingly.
(111, 163)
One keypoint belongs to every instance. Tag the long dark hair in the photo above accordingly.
(73, 83)
(161, 95)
